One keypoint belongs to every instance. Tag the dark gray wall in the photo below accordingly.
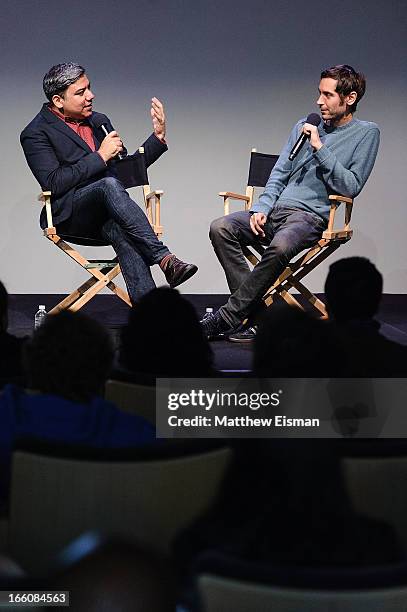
(233, 75)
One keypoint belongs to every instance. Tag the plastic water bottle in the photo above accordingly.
(208, 313)
(40, 316)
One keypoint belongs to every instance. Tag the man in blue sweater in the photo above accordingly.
(293, 211)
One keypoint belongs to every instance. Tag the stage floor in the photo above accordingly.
(228, 356)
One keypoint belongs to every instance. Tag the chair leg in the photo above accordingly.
(289, 298)
(88, 295)
(67, 302)
(88, 290)
(297, 270)
(251, 257)
(99, 279)
(105, 281)
(123, 295)
(310, 297)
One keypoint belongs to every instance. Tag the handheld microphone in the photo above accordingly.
(121, 155)
(313, 119)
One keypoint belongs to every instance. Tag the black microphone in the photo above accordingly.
(105, 129)
(313, 119)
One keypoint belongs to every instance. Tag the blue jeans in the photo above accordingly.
(288, 230)
(105, 210)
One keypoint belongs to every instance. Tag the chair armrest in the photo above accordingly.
(336, 234)
(154, 194)
(230, 195)
(45, 198)
(152, 201)
(345, 232)
(234, 196)
(340, 198)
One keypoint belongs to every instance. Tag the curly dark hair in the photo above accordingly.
(348, 80)
(70, 355)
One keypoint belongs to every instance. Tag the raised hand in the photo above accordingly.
(158, 118)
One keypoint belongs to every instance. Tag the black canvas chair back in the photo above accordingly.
(132, 170)
(261, 165)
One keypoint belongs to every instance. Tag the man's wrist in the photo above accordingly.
(102, 157)
(161, 138)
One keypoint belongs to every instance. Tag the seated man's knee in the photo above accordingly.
(220, 228)
(283, 251)
(112, 232)
(110, 184)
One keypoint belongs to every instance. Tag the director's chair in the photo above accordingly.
(261, 165)
(132, 172)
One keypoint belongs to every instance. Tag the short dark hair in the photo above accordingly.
(353, 289)
(70, 355)
(348, 80)
(59, 77)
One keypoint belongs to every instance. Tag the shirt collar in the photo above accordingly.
(56, 112)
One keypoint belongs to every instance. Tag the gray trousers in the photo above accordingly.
(288, 231)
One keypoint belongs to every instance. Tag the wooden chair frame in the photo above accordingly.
(102, 271)
(307, 261)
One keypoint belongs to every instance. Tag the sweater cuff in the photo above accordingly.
(322, 154)
(260, 208)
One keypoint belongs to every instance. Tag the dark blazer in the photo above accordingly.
(61, 161)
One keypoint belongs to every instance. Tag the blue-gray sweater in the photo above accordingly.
(341, 166)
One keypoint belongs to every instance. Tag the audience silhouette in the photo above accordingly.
(67, 362)
(282, 501)
(285, 502)
(11, 369)
(291, 343)
(353, 291)
(163, 338)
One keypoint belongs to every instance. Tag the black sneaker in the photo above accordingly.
(247, 335)
(214, 325)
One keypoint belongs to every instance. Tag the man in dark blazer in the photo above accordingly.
(69, 153)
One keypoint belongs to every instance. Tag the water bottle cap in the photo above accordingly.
(209, 310)
(42, 307)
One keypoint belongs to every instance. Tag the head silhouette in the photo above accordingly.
(69, 355)
(353, 289)
(163, 337)
(289, 343)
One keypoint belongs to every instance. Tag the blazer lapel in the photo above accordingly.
(98, 135)
(62, 127)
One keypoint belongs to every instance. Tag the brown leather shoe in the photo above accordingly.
(178, 271)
